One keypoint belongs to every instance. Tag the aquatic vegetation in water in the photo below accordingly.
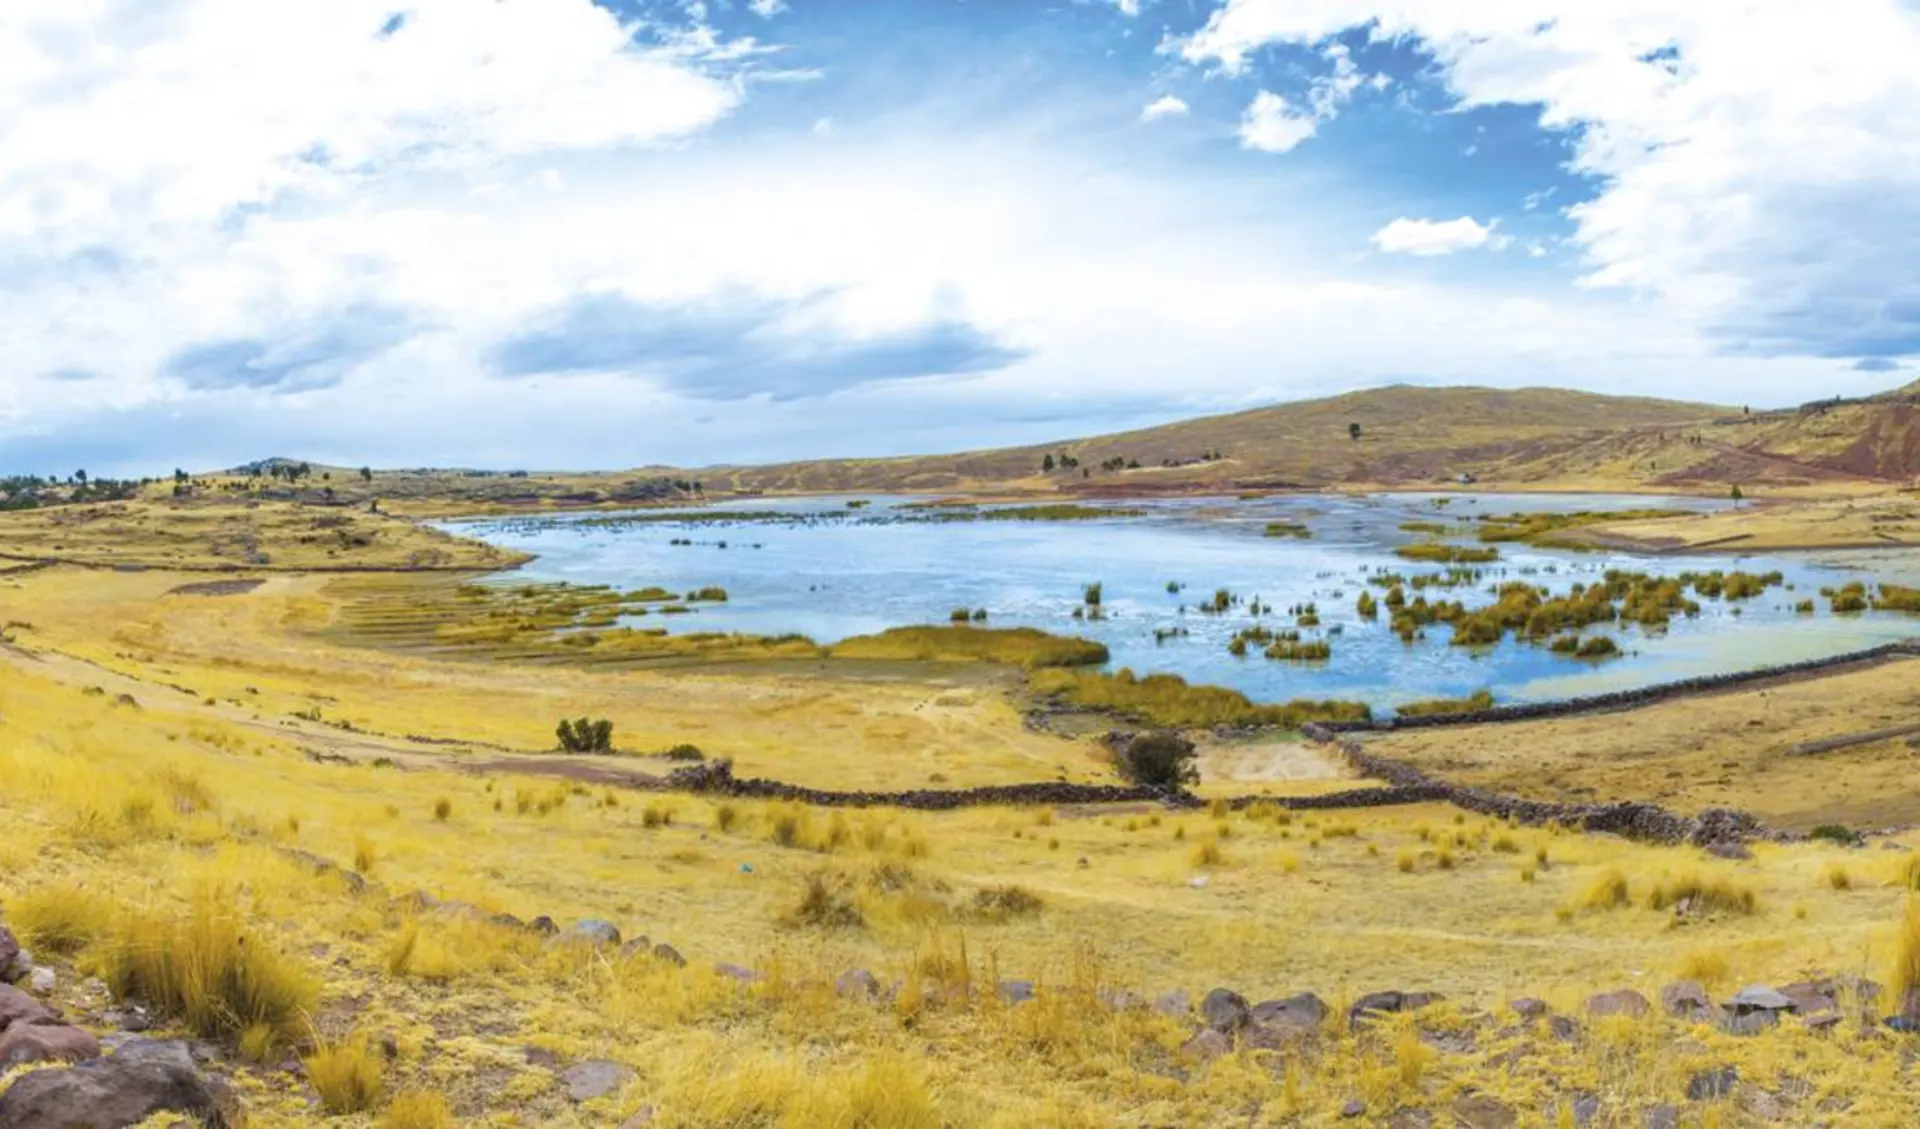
(1446, 554)
(1168, 700)
(1478, 700)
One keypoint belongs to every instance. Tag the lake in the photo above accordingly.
(820, 568)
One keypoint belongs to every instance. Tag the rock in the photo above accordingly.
(1409, 1119)
(33, 1042)
(1909, 1004)
(1585, 1107)
(1758, 997)
(1710, 1085)
(9, 951)
(668, 953)
(1809, 997)
(593, 931)
(1903, 1024)
(857, 984)
(1626, 1002)
(541, 1056)
(1354, 1108)
(1685, 999)
(42, 981)
(642, 1118)
(1750, 1022)
(1526, 1007)
(18, 1007)
(1564, 1029)
(1375, 1004)
(145, 1078)
(1206, 1046)
(595, 1078)
(1174, 1005)
(736, 972)
(1016, 991)
(1661, 1117)
(1824, 1021)
(507, 921)
(1479, 1111)
(1763, 1105)
(543, 925)
(1304, 1012)
(637, 947)
(1727, 850)
(1225, 1010)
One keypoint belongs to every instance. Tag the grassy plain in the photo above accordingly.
(170, 749)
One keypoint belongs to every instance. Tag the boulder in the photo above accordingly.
(1563, 1029)
(41, 981)
(1526, 1007)
(9, 951)
(1809, 997)
(143, 1079)
(1751, 1022)
(1758, 997)
(593, 931)
(1711, 1085)
(1685, 999)
(857, 984)
(1206, 1046)
(636, 947)
(1016, 991)
(1225, 1011)
(1304, 1012)
(1661, 1117)
(543, 925)
(34, 1042)
(668, 953)
(1354, 1108)
(18, 1007)
(1375, 1004)
(595, 1078)
(1479, 1111)
(1625, 1001)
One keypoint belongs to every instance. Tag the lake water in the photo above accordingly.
(829, 572)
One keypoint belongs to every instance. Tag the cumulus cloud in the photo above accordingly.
(766, 9)
(1271, 125)
(1165, 106)
(1431, 237)
(1738, 149)
(1876, 364)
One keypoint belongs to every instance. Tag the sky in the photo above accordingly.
(594, 234)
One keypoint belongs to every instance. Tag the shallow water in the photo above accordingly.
(830, 572)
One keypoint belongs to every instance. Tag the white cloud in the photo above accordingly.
(767, 9)
(1272, 126)
(823, 127)
(1127, 7)
(1431, 237)
(1165, 106)
(1742, 149)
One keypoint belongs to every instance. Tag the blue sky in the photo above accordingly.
(555, 233)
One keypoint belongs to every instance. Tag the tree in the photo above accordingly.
(1735, 494)
(1158, 760)
(1046, 465)
(366, 474)
(80, 476)
(1353, 432)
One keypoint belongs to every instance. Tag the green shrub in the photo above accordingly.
(584, 736)
(1158, 760)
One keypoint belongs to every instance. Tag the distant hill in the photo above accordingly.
(1540, 438)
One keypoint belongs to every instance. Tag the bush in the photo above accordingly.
(348, 1076)
(442, 809)
(59, 919)
(1159, 760)
(1834, 833)
(825, 905)
(584, 736)
(998, 903)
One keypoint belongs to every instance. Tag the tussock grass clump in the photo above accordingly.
(1837, 877)
(1703, 894)
(349, 1075)
(1406, 860)
(417, 1109)
(1905, 973)
(1478, 700)
(1897, 598)
(825, 903)
(724, 817)
(442, 810)
(1209, 854)
(60, 919)
(1608, 890)
(1001, 903)
(1168, 700)
(1447, 554)
(1014, 646)
(204, 968)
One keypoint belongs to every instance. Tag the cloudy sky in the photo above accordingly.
(604, 233)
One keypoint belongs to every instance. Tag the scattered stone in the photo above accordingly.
(1563, 1029)
(1119, 999)
(736, 972)
(1809, 997)
(1479, 1111)
(42, 981)
(1586, 1107)
(1727, 850)
(1751, 1022)
(1354, 1108)
(143, 1079)
(36, 1042)
(1710, 1085)
(18, 1007)
(595, 1078)
(543, 925)
(9, 951)
(1206, 1046)
(594, 931)
(1825, 1021)
(1685, 999)
(1016, 991)
(1527, 1007)
(1174, 1005)
(668, 953)
(1903, 1024)
(1757, 997)
(642, 1118)
(1375, 1004)
(1763, 1105)
(1626, 1001)
(1225, 1010)
(1661, 1117)
(859, 984)
(541, 1056)
(1304, 1012)
(636, 948)
(1410, 1119)
(507, 921)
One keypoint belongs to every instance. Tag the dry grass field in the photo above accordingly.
(190, 766)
